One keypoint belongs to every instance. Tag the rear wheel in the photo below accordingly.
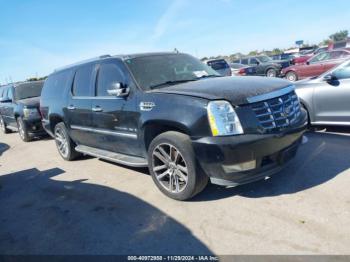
(3, 127)
(64, 143)
(173, 166)
(292, 76)
(271, 72)
(22, 130)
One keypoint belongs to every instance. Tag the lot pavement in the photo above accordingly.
(89, 206)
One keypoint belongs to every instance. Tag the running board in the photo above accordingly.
(127, 160)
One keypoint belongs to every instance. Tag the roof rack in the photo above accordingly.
(82, 62)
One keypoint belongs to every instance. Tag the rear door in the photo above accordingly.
(115, 119)
(332, 99)
(78, 110)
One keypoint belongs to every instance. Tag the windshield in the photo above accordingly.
(264, 59)
(28, 90)
(157, 71)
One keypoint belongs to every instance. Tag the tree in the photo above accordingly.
(339, 36)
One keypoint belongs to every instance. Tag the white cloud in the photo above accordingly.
(167, 19)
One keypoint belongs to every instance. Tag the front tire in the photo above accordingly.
(3, 127)
(271, 72)
(292, 76)
(64, 143)
(22, 130)
(173, 166)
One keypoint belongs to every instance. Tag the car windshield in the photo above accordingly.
(28, 90)
(264, 59)
(158, 71)
(218, 64)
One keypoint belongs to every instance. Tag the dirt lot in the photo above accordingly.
(89, 206)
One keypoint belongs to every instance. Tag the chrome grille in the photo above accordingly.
(277, 113)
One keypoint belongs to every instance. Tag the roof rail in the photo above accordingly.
(82, 62)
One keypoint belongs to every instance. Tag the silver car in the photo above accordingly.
(327, 97)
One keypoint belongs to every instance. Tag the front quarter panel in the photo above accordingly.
(305, 94)
(185, 113)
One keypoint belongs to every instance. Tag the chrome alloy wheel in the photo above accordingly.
(21, 129)
(61, 142)
(170, 168)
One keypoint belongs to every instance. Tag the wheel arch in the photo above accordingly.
(151, 129)
(54, 120)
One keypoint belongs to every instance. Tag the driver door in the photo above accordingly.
(332, 98)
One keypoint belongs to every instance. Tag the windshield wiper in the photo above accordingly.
(207, 76)
(173, 82)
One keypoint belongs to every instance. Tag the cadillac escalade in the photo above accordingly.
(175, 115)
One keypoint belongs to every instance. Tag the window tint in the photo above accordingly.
(10, 93)
(27, 90)
(219, 64)
(82, 81)
(343, 72)
(320, 57)
(108, 75)
(245, 61)
(253, 61)
(55, 84)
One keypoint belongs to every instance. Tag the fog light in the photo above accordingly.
(240, 167)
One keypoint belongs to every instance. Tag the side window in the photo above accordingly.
(108, 76)
(10, 93)
(245, 61)
(82, 81)
(56, 84)
(253, 61)
(343, 72)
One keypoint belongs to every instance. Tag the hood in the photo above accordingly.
(30, 102)
(234, 89)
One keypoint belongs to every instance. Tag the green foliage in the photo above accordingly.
(339, 36)
(36, 78)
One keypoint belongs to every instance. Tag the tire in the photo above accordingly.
(271, 72)
(64, 143)
(3, 127)
(180, 178)
(292, 76)
(22, 130)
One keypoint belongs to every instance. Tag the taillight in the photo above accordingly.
(242, 72)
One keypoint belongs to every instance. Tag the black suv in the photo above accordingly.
(263, 65)
(177, 116)
(19, 109)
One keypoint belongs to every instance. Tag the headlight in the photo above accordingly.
(223, 119)
(30, 112)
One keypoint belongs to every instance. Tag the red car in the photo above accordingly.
(316, 65)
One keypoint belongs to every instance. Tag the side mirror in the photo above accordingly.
(119, 90)
(308, 62)
(329, 78)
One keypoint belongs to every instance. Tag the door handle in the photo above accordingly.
(97, 109)
(71, 107)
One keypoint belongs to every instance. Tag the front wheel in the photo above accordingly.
(64, 143)
(271, 72)
(3, 127)
(173, 166)
(292, 76)
(22, 130)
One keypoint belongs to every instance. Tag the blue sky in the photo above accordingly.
(38, 36)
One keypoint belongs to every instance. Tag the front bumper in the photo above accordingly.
(270, 152)
(34, 127)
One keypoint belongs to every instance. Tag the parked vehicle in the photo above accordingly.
(280, 57)
(264, 65)
(316, 65)
(300, 60)
(176, 115)
(19, 109)
(236, 68)
(326, 97)
(220, 66)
